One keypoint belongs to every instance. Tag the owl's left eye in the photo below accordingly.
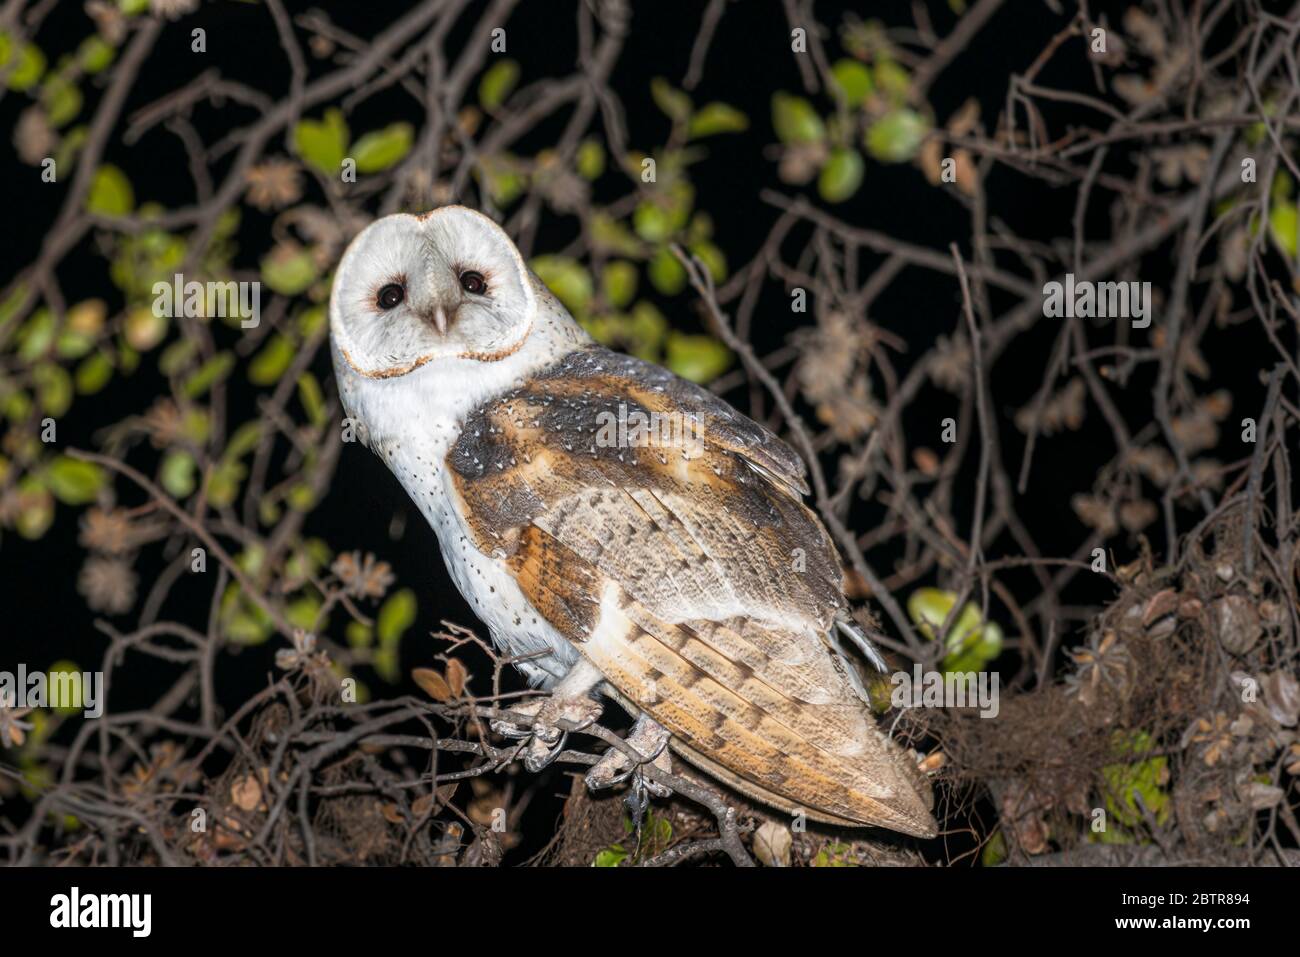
(473, 282)
(391, 296)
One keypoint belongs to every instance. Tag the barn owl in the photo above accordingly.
(684, 578)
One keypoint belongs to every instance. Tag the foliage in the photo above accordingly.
(1179, 576)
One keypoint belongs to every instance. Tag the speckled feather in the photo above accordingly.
(694, 572)
(692, 578)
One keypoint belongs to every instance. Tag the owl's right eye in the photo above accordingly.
(391, 296)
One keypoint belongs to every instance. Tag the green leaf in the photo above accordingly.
(17, 405)
(272, 361)
(94, 373)
(497, 84)
(73, 343)
(110, 192)
(1282, 227)
(177, 474)
(70, 686)
(359, 635)
(209, 374)
(669, 212)
(95, 54)
(223, 489)
(308, 559)
(646, 331)
(301, 497)
(666, 272)
(618, 283)
(36, 335)
(37, 513)
(853, 81)
(652, 222)
(675, 104)
(74, 482)
(313, 401)
(65, 153)
(611, 856)
(714, 259)
(311, 321)
(834, 855)
(971, 642)
(9, 308)
(395, 616)
(978, 647)
(795, 120)
(244, 622)
(386, 664)
(714, 118)
(841, 176)
(661, 830)
(30, 68)
(698, 358)
(501, 177)
(611, 236)
(303, 611)
(591, 159)
(288, 269)
(567, 278)
(196, 425)
(893, 80)
(61, 99)
(322, 144)
(1127, 783)
(244, 440)
(251, 559)
(144, 330)
(53, 388)
(701, 227)
(384, 148)
(995, 851)
(896, 136)
(176, 356)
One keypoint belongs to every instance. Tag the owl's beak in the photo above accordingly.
(440, 320)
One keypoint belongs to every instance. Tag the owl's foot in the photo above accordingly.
(541, 725)
(650, 740)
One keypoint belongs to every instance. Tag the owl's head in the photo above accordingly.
(446, 285)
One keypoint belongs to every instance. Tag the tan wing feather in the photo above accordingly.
(696, 572)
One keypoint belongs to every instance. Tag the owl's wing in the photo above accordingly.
(685, 568)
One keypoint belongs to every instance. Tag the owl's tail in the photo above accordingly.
(764, 709)
(826, 759)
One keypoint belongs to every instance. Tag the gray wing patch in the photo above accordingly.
(765, 452)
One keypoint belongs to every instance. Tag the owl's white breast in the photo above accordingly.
(411, 422)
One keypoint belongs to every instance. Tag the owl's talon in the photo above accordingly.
(517, 728)
(664, 764)
(541, 726)
(539, 754)
(648, 739)
(638, 796)
(581, 711)
(636, 801)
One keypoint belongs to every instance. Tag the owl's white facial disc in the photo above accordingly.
(412, 289)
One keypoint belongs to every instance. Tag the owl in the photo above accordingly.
(622, 533)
